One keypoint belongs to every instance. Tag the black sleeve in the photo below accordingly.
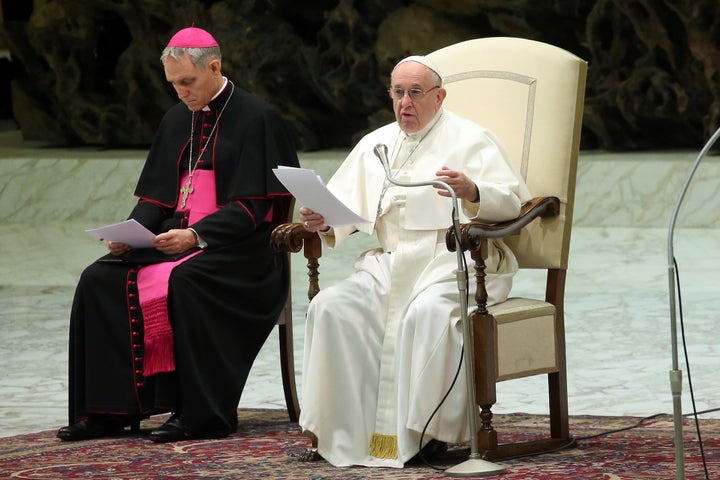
(151, 215)
(233, 221)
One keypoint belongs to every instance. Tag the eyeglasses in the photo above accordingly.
(414, 93)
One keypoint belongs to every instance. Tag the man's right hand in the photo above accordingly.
(117, 248)
(312, 221)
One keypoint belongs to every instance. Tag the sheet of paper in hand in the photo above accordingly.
(129, 232)
(310, 191)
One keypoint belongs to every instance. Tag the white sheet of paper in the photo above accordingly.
(129, 232)
(310, 191)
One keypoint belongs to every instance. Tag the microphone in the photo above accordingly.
(676, 373)
(475, 463)
(381, 152)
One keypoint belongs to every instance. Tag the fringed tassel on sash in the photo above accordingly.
(159, 344)
(384, 446)
(154, 282)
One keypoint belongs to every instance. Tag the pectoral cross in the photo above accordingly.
(186, 190)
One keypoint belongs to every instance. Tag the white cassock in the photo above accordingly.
(382, 347)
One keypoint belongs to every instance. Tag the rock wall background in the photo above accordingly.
(87, 72)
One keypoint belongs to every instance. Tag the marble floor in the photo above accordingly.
(617, 307)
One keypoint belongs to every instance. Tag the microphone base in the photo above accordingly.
(475, 467)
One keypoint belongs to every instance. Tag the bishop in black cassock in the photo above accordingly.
(221, 302)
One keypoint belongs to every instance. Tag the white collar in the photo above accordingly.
(206, 108)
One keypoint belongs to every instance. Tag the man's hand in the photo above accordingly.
(462, 185)
(117, 248)
(312, 221)
(175, 241)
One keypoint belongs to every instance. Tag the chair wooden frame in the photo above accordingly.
(285, 330)
(289, 238)
(287, 359)
(474, 237)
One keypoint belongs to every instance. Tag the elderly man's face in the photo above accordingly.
(194, 86)
(413, 115)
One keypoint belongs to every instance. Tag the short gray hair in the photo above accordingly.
(200, 57)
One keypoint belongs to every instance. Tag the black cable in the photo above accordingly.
(687, 365)
(694, 413)
(701, 412)
(457, 370)
(622, 429)
(640, 422)
(427, 424)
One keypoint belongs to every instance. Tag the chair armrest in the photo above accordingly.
(472, 234)
(291, 238)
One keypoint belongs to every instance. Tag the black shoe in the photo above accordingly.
(174, 430)
(433, 450)
(96, 426)
(171, 431)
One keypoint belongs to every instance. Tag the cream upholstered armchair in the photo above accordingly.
(531, 95)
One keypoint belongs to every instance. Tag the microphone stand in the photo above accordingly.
(474, 466)
(675, 373)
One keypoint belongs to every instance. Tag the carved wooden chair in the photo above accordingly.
(290, 238)
(531, 95)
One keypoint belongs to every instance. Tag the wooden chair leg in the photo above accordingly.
(287, 366)
(287, 359)
(290, 238)
(487, 436)
(559, 421)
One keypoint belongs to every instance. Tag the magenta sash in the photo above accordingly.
(153, 282)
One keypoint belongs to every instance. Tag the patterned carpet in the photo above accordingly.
(267, 446)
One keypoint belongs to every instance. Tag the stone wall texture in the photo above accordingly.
(87, 72)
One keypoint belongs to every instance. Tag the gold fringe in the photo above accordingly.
(383, 446)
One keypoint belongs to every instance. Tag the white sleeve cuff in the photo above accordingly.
(201, 243)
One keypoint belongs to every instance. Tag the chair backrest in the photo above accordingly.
(530, 94)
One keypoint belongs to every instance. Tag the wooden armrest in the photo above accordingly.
(291, 238)
(472, 234)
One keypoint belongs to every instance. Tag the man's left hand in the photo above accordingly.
(462, 185)
(175, 241)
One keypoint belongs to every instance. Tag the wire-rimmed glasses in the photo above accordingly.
(415, 94)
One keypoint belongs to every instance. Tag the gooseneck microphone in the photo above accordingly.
(675, 373)
(381, 152)
(475, 465)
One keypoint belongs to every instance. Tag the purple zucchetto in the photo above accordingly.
(192, 37)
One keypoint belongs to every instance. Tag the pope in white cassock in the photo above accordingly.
(382, 346)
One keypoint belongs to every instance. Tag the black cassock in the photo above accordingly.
(222, 303)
